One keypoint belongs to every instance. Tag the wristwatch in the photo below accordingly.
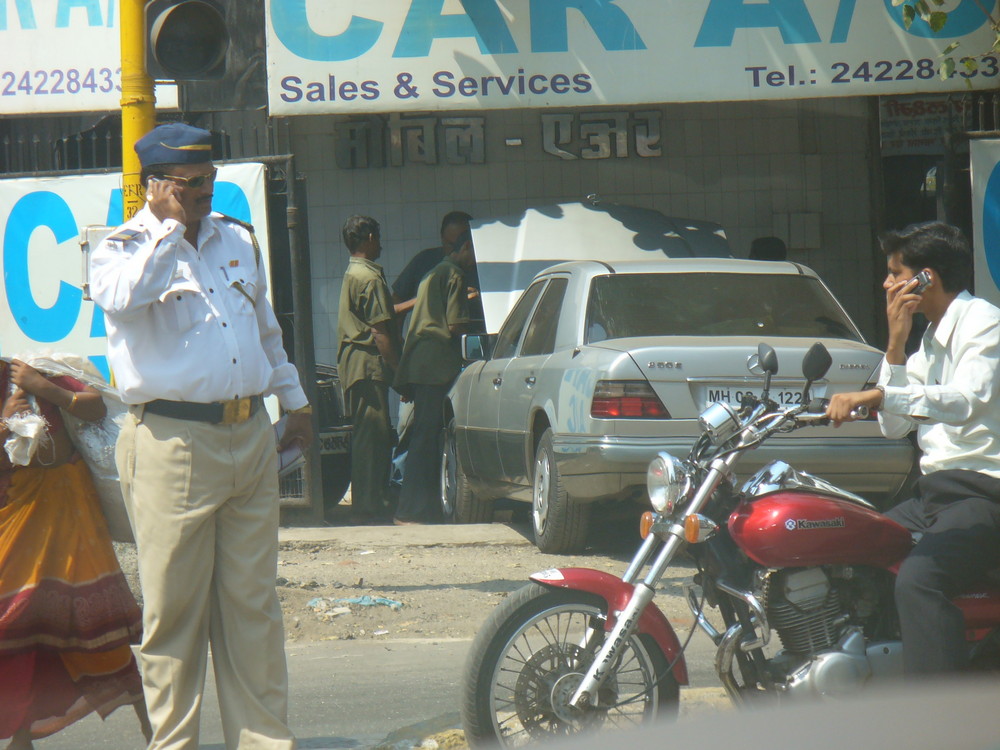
(881, 399)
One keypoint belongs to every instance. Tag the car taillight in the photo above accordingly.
(626, 399)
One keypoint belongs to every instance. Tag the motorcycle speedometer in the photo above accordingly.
(667, 480)
(719, 422)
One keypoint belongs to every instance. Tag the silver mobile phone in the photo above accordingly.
(923, 281)
(149, 183)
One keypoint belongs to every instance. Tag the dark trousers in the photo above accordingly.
(419, 499)
(371, 446)
(958, 513)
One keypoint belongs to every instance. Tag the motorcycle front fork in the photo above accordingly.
(627, 620)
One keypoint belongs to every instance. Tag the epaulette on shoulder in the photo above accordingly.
(233, 220)
(124, 235)
(249, 227)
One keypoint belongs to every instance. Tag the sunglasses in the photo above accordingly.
(192, 182)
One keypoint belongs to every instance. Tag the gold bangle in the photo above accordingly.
(307, 409)
(72, 402)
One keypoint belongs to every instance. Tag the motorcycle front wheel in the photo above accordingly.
(531, 654)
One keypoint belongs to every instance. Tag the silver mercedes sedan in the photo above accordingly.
(600, 365)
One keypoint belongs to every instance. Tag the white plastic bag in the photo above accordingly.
(27, 433)
(95, 441)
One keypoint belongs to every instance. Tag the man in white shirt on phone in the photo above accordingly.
(949, 391)
(195, 346)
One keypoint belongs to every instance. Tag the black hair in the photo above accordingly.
(357, 229)
(460, 241)
(455, 217)
(933, 245)
(768, 248)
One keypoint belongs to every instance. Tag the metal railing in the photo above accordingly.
(36, 145)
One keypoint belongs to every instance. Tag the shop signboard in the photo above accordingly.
(59, 56)
(917, 125)
(362, 56)
(42, 304)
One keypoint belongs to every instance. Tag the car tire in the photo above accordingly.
(459, 504)
(560, 525)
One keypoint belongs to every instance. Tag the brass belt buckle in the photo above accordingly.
(236, 411)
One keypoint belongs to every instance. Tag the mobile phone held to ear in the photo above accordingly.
(923, 281)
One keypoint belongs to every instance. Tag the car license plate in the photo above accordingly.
(331, 443)
(733, 395)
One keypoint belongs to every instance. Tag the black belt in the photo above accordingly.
(218, 412)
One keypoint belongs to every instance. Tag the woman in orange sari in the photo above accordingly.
(67, 617)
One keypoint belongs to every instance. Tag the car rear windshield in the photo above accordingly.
(714, 304)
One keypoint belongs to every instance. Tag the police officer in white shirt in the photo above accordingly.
(949, 390)
(194, 346)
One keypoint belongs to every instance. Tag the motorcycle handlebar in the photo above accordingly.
(818, 405)
(759, 427)
(816, 412)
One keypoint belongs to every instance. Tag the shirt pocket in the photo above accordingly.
(242, 296)
(182, 306)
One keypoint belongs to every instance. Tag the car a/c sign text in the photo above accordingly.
(393, 55)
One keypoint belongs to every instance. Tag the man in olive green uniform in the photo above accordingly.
(366, 360)
(431, 360)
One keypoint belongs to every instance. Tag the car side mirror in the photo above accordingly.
(477, 346)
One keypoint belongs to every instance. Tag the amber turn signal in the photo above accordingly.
(699, 528)
(692, 526)
(646, 524)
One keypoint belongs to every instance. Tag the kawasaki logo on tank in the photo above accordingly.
(827, 523)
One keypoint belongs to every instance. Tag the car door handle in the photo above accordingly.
(497, 381)
(530, 380)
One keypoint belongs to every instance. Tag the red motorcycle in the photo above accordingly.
(800, 571)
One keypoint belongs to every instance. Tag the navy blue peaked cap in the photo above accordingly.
(174, 143)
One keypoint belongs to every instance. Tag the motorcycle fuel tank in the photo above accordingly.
(790, 529)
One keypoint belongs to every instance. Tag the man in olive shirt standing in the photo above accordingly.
(431, 360)
(404, 288)
(366, 360)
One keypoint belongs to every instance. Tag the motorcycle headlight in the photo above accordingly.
(667, 481)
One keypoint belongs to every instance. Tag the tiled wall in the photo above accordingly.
(797, 169)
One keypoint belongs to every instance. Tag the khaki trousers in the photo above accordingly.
(371, 446)
(203, 500)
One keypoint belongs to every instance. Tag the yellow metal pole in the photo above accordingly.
(138, 102)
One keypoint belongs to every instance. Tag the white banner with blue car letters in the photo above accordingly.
(42, 305)
(985, 161)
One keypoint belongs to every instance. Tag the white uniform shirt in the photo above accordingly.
(181, 323)
(950, 389)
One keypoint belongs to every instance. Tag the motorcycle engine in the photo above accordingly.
(805, 610)
(822, 616)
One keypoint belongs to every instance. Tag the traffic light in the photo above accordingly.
(186, 40)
